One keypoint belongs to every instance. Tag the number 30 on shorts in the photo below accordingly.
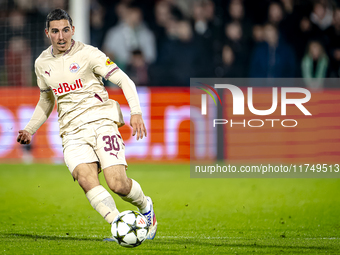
(112, 143)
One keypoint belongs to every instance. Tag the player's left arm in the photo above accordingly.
(130, 93)
(103, 66)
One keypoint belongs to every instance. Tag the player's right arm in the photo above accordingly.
(41, 113)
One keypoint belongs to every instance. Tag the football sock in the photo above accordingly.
(102, 202)
(146, 209)
(136, 196)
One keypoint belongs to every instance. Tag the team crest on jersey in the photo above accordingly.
(74, 67)
(109, 62)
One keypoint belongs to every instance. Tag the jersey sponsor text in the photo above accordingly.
(65, 87)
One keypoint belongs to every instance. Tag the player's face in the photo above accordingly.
(60, 33)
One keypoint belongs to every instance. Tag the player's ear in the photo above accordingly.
(73, 30)
(46, 33)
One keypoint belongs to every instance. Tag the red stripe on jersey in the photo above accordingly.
(110, 73)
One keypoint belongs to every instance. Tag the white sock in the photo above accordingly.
(136, 196)
(102, 202)
(146, 209)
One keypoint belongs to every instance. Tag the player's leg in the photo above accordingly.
(82, 162)
(110, 150)
(87, 176)
(130, 191)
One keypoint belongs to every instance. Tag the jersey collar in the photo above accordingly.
(67, 51)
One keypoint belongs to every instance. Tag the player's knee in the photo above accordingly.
(120, 187)
(86, 178)
(83, 180)
(87, 183)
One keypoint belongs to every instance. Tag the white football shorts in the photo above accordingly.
(98, 141)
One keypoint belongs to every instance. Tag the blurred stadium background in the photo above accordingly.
(160, 44)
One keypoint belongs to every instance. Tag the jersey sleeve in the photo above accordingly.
(129, 90)
(40, 81)
(44, 107)
(101, 64)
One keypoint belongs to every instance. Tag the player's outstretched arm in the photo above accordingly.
(41, 113)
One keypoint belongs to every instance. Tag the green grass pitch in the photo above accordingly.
(43, 211)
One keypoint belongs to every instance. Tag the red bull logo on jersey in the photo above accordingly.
(65, 87)
(74, 67)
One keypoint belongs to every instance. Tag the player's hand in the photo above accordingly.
(137, 124)
(24, 137)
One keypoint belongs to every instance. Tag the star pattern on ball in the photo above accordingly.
(135, 213)
(133, 228)
(128, 222)
(119, 220)
(120, 238)
(137, 243)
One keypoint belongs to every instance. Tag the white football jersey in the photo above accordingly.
(75, 78)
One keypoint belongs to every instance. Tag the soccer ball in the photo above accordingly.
(129, 229)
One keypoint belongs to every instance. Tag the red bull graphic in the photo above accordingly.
(74, 67)
(65, 87)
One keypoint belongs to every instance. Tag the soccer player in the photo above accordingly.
(71, 73)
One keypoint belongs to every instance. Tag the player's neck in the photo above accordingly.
(55, 52)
